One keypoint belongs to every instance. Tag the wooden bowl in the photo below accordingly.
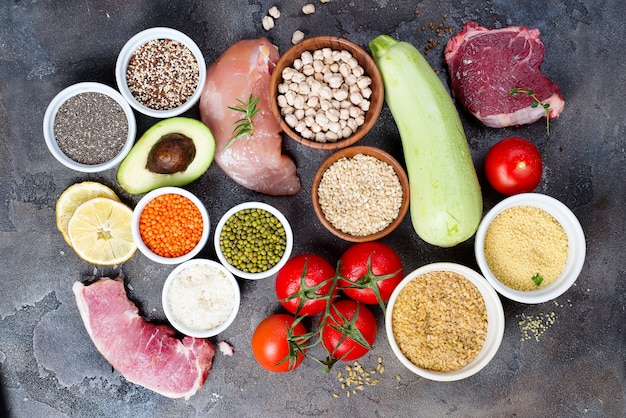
(364, 59)
(350, 152)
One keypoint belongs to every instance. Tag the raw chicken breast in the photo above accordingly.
(145, 354)
(255, 162)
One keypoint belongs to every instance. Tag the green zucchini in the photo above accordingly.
(445, 198)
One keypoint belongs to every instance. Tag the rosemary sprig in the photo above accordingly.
(244, 125)
(536, 102)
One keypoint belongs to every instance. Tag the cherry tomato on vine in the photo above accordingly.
(350, 330)
(513, 166)
(369, 272)
(303, 284)
(274, 343)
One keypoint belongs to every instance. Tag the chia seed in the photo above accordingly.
(162, 74)
(91, 128)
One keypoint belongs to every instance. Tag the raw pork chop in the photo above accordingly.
(146, 354)
(256, 161)
(485, 64)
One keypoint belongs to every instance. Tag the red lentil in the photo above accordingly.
(171, 225)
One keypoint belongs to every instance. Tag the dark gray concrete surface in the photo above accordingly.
(574, 367)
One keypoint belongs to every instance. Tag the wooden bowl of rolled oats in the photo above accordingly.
(444, 322)
(360, 193)
(326, 92)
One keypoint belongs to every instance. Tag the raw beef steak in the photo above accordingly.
(145, 354)
(485, 64)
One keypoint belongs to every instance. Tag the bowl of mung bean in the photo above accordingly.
(253, 240)
(326, 92)
(444, 322)
(170, 225)
(530, 247)
(89, 127)
(161, 72)
(360, 193)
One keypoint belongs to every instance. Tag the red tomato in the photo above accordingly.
(271, 346)
(513, 166)
(372, 269)
(302, 285)
(347, 335)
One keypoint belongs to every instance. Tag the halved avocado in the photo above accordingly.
(173, 152)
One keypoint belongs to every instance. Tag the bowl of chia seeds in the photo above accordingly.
(89, 127)
(161, 72)
(253, 240)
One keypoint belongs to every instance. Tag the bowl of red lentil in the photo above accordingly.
(161, 72)
(170, 225)
(444, 322)
(530, 247)
(360, 193)
(89, 127)
(253, 240)
(326, 92)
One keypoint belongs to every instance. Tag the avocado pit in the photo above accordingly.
(172, 153)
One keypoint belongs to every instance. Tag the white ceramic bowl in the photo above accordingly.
(207, 266)
(137, 235)
(142, 38)
(66, 94)
(288, 246)
(495, 326)
(575, 239)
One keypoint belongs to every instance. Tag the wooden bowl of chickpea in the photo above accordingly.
(360, 193)
(326, 92)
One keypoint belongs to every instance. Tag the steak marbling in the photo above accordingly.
(145, 354)
(485, 64)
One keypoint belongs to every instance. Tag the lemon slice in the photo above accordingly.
(100, 232)
(73, 197)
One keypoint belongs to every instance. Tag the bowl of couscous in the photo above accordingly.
(444, 322)
(170, 225)
(530, 247)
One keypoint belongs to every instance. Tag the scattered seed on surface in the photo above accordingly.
(91, 128)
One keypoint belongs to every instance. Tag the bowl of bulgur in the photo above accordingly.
(530, 247)
(326, 92)
(444, 322)
(360, 193)
(161, 72)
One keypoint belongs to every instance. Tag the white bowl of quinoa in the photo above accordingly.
(253, 240)
(89, 127)
(161, 72)
(530, 247)
(201, 298)
(444, 322)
